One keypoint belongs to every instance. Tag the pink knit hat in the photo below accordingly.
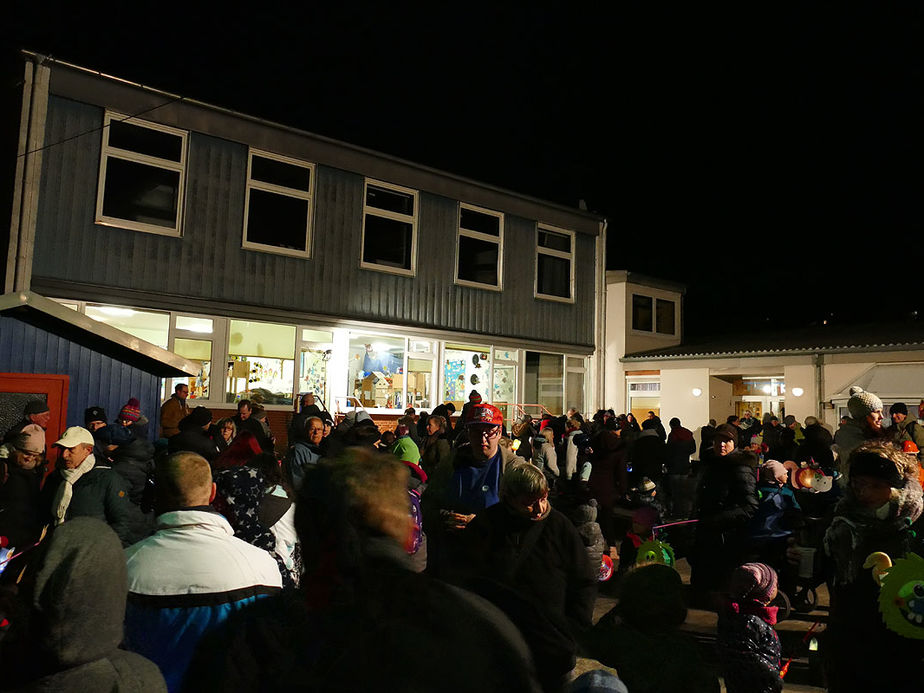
(753, 581)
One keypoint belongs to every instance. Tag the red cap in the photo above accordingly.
(484, 414)
(909, 446)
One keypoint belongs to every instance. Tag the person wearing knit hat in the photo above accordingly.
(194, 435)
(774, 472)
(36, 417)
(94, 418)
(474, 397)
(131, 412)
(748, 647)
(865, 423)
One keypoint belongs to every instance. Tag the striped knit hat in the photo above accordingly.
(131, 411)
(753, 582)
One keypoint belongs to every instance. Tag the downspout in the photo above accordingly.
(28, 174)
(819, 361)
(600, 347)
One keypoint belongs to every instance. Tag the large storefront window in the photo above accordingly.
(466, 368)
(375, 373)
(147, 325)
(544, 378)
(506, 362)
(261, 362)
(575, 384)
(314, 355)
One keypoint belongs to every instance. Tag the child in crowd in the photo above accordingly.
(749, 648)
(643, 519)
(778, 515)
(646, 495)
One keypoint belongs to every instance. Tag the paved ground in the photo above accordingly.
(702, 625)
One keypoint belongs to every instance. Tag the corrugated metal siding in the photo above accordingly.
(95, 379)
(209, 263)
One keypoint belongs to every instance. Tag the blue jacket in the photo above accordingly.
(775, 511)
(298, 459)
(187, 578)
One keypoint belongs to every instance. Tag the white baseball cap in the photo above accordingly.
(74, 436)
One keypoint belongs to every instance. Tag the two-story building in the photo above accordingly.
(282, 262)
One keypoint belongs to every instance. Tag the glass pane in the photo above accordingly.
(277, 220)
(478, 221)
(260, 379)
(466, 368)
(665, 316)
(387, 242)
(375, 370)
(641, 313)
(419, 382)
(280, 173)
(151, 327)
(391, 200)
(421, 347)
(142, 193)
(575, 362)
(197, 325)
(322, 336)
(261, 339)
(554, 276)
(575, 396)
(505, 388)
(506, 354)
(199, 351)
(313, 373)
(544, 380)
(478, 261)
(135, 138)
(640, 407)
(555, 241)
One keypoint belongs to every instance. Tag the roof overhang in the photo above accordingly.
(52, 317)
(897, 381)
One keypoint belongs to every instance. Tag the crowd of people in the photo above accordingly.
(450, 551)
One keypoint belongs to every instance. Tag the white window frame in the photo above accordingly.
(386, 214)
(653, 332)
(654, 325)
(498, 240)
(108, 151)
(285, 192)
(554, 253)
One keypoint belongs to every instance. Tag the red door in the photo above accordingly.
(52, 388)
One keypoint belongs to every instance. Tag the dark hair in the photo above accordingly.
(269, 466)
(243, 402)
(674, 423)
(177, 387)
(731, 419)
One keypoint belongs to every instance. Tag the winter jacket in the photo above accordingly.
(680, 445)
(100, 493)
(647, 457)
(186, 579)
(848, 438)
(194, 439)
(749, 648)
(909, 429)
(778, 513)
(134, 462)
(77, 602)
(435, 451)
(21, 512)
(172, 412)
(609, 478)
(405, 630)
(298, 459)
(546, 459)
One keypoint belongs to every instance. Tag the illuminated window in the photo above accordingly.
(261, 359)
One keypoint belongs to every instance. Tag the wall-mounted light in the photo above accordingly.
(697, 392)
(767, 389)
(797, 392)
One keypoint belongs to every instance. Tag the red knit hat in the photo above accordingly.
(131, 411)
(753, 581)
(484, 414)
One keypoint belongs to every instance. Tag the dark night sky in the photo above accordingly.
(768, 158)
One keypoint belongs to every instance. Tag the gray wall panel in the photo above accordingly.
(209, 263)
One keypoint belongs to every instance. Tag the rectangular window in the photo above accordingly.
(554, 264)
(277, 208)
(641, 313)
(147, 325)
(376, 370)
(261, 362)
(466, 367)
(389, 228)
(665, 316)
(141, 176)
(479, 257)
(544, 378)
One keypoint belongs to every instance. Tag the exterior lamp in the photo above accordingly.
(797, 391)
(697, 392)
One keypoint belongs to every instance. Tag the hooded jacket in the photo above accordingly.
(77, 603)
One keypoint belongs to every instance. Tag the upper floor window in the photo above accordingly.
(554, 263)
(141, 176)
(653, 315)
(664, 316)
(389, 228)
(480, 253)
(277, 209)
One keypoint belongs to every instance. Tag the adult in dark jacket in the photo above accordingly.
(304, 453)
(648, 455)
(357, 429)
(194, 435)
(245, 421)
(608, 478)
(82, 488)
(134, 461)
(435, 449)
(75, 593)
(308, 409)
(679, 493)
(446, 411)
(21, 515)
(360, 610)
(726, 501)
(658, 426)
(524, 545)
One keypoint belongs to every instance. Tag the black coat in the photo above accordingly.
(21, 516)
(194, 440)
(647, 456)
(134, 462)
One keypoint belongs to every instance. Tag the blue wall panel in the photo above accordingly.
(95, 379)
